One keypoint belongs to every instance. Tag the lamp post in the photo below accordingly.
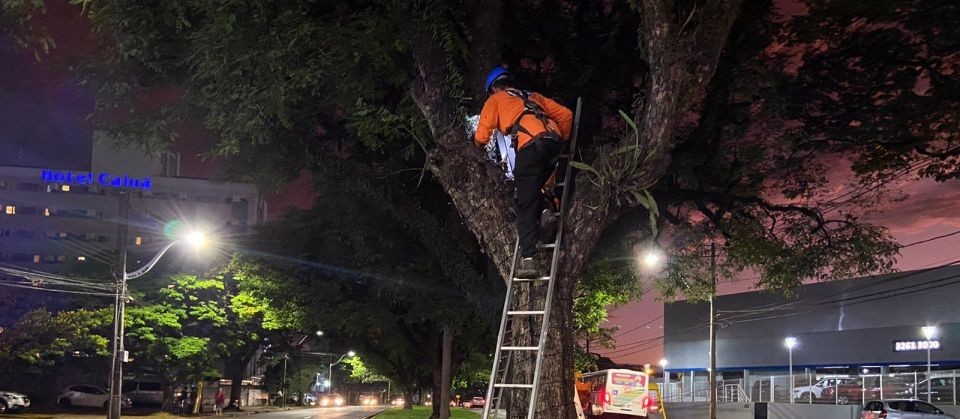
(929, 332)
(330, 370)
(196, 239)
(790, 343)
(652, 259)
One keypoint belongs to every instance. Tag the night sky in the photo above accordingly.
(42, 109)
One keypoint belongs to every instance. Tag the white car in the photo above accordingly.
(12, 402)
(902, 409)
(802, 393)
(88, 396)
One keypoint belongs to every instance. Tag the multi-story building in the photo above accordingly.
(52, 217)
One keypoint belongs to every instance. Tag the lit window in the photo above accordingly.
(65, 188)
(63, 234)
(36, 258)
(81, 258)
(46, 212)
(138, 241)
(61, 258)
(10, 210)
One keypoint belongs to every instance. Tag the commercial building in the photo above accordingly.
(870, 326)
(54, 217)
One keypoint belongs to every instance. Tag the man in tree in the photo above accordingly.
(538, 127)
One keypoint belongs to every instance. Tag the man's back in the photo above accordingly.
(503, 108)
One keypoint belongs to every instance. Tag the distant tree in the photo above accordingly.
(44, 339)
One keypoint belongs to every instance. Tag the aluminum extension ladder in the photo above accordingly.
(506, 347)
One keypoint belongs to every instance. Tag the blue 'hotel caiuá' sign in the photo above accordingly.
(103, 179)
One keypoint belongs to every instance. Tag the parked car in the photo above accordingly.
(902, 409)
(88, 396)
(144, 392)
(309, 399)
(12, 402)
(941, 390)
(332, 400)
(477, 402)
(856, 391)
(816, 390)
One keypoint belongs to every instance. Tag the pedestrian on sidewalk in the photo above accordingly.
(218, 402)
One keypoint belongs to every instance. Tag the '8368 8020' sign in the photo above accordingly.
(915, 345)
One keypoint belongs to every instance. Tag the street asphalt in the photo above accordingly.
(346, 412)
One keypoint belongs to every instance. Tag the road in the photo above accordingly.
(346, 412)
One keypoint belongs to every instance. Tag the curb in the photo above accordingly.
(375, 414)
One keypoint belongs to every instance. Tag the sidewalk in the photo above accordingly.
(52, 413)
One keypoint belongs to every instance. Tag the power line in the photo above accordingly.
(639, 327)
(31, 287)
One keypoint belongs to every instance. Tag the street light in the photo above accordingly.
(350, 354)
(790, 343)
(319, 332)
(651, 258)
(195, 239)
(929, 332)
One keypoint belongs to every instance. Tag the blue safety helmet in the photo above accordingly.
(496, 74)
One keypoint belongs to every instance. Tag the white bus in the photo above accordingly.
(619, 393)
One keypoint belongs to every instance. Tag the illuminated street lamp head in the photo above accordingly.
(929, 332)
(319, 332)
(790, 342)
(351, 354)
(196, 238)
(651, 258)
(663, 362)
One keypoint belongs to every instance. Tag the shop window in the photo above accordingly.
(61, 258)
(46, 212)
(81, 258)
(138, 241)
(3, 184)
(10, 210)
(36, 258)
(65, 188)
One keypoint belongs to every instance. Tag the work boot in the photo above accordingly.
(527, 269)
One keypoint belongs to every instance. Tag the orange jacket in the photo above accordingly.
(502, 109)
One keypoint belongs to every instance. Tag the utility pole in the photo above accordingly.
(712, 396)
(116, 368)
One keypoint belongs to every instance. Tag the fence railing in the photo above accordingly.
(941, 387)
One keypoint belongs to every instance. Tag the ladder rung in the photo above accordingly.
(526, 313)
(546, 245)
(542, 278)
(505, 385)
(520, 348)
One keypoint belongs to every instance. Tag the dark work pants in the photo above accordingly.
(535, 163)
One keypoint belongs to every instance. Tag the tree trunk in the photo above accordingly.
(235, 374)
(682, 62)
(408, 398)
(168, 403)
(435, 394)
(446, 373)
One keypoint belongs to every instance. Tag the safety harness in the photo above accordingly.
(531, 108)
